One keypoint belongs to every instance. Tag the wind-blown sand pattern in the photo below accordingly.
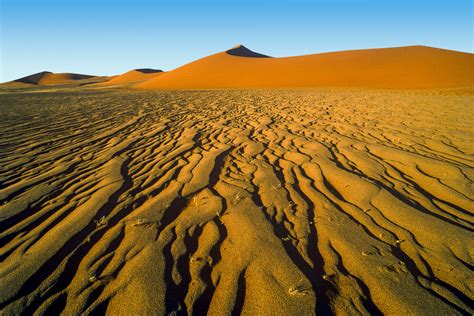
(252, 202)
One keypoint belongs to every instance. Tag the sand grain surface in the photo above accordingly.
(252, 202)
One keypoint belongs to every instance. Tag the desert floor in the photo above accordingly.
(252, 202)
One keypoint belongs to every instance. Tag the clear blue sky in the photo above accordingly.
(106, 37)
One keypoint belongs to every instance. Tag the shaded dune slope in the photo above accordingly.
(243, 51)
(410, 67)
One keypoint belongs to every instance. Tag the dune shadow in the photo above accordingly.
(148, 70)
(243, 51)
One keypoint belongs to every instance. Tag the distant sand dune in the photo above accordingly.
(133, 76)
(49, 78)
(412, 67)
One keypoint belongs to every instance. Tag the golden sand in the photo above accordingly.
(253, 202)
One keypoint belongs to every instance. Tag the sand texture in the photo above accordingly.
(236, 202)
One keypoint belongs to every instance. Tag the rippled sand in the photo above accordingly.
(253, 202)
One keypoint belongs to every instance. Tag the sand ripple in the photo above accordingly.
(227, 202)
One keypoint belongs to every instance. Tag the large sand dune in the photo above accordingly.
(252, 202)
(410, 67)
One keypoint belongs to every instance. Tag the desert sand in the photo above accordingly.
(321, 201)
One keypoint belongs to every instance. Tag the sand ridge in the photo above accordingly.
(219, 202)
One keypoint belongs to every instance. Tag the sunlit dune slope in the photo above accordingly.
(411, 67)
(49, 78)
(133, 76)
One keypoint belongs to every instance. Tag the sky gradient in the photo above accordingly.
(105, 37)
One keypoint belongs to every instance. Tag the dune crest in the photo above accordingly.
(411, 67)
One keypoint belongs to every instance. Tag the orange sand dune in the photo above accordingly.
(411, 67)
(133, 76)
(49, 78)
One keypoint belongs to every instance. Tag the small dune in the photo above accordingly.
(412, 67)
(133, 76)
(49, 78)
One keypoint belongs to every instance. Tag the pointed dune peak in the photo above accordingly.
(242, 51)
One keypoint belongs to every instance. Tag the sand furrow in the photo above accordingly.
(236, 202)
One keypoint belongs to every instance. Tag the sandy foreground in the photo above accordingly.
(254, 202)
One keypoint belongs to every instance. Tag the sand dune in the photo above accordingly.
(133, 76)
(49, 78)
(236, 202)
(412, 67)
